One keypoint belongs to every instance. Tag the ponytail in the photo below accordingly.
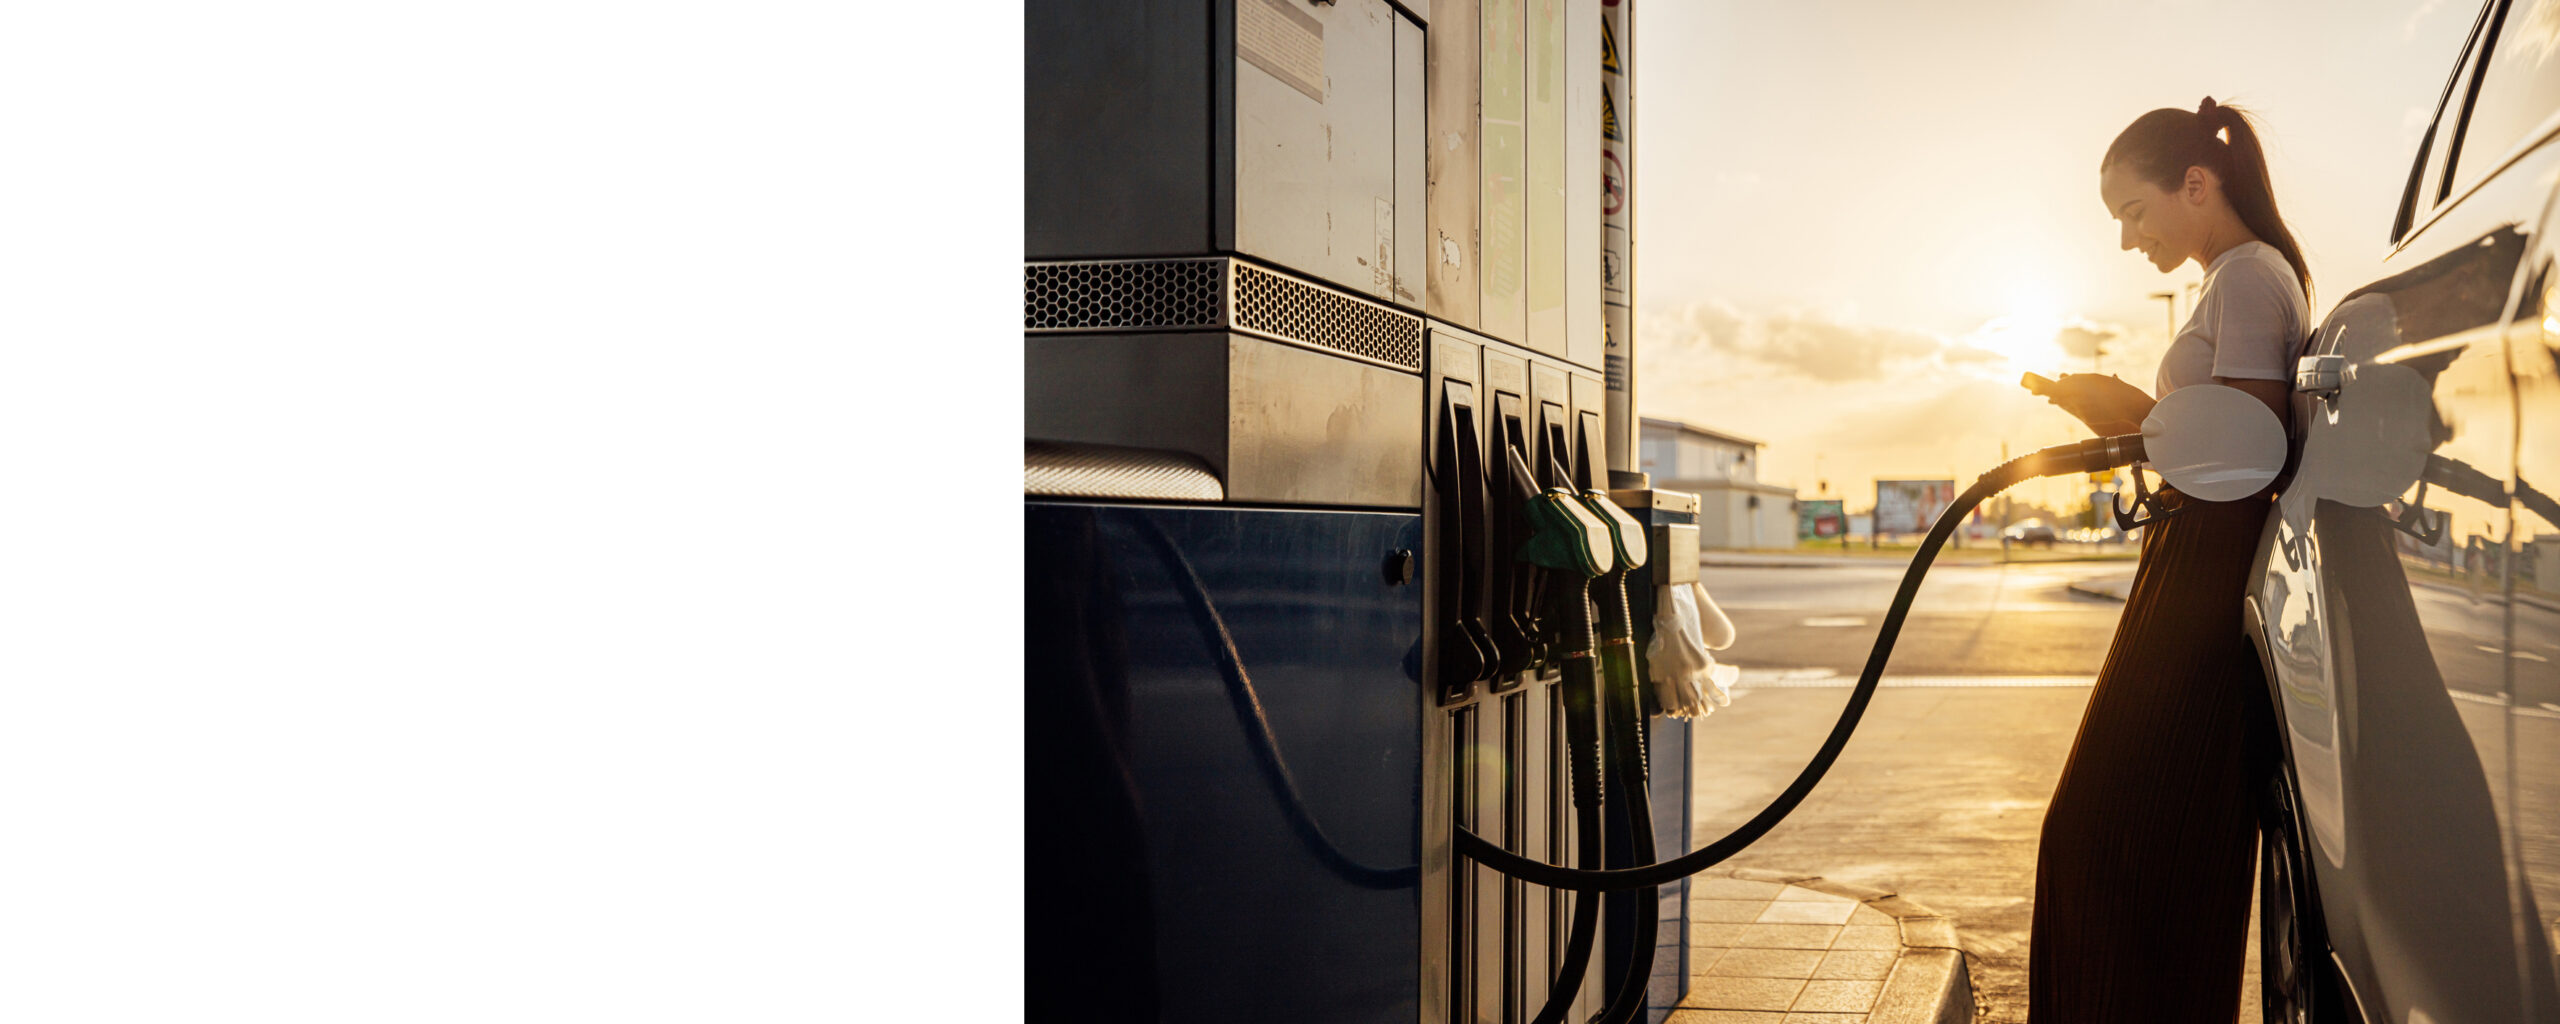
(2162, 144)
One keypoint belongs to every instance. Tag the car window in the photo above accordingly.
(2519, 91)
(2448, 127)
(2426, 176)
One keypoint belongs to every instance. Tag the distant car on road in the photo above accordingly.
(2032, 531)
(2406, 596)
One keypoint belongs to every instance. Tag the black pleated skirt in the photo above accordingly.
(2150, 845)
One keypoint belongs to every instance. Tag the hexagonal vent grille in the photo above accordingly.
(1129, 294)
(1190, 294)
(1271, 304)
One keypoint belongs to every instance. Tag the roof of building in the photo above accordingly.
(1706, 485)
(1691, 428)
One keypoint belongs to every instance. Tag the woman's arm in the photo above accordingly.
(2277, 394)
(2107, 404)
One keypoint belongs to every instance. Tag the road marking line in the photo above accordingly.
(1825, 679)
(2083, 606)
(2526, 655)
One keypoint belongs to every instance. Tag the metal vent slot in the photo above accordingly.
(1267, 303)
(1121, 295)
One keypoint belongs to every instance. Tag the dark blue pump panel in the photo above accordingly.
(1671, 835)
(1180, 866)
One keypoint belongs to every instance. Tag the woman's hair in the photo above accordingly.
(2162, 144)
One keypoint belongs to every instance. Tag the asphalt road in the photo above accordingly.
(1941, 794)
(1968, 620)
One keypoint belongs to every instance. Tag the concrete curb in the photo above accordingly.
(2112, 588)
(1929, 983)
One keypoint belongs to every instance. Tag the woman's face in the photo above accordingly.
(2166, 225)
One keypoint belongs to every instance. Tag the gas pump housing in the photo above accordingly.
(1298, 277)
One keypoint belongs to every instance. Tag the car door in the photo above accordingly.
(2533, 645)
(2385, 602)
(2511, 136)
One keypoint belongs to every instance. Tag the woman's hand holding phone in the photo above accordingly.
(2104, 402)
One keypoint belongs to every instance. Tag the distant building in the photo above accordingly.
(1735, 510)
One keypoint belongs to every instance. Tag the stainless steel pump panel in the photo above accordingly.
(1285, 130)
(1277, 423)
(1290, 392)
(1514, 161)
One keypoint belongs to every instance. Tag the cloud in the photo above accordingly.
(2540, 34)
(2409, 29)
(1924, 422)
(1846, 403)
(1810, 345)
(2080, 338)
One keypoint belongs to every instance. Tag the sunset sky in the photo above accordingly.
(1860, 220)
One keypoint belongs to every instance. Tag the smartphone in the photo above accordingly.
(2035, 384)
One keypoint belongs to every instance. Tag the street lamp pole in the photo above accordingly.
(2169, 305)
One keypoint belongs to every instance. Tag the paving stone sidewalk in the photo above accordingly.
(1939, 799)
(1770, 947)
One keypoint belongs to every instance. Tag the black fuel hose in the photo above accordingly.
(1630, 787)
(1582, 738)
(1586, 926)
(2088, 456)
(1580, 695)
(1247, 705)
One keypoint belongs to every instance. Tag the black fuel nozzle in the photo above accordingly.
(1574, 547)
(2095, 455)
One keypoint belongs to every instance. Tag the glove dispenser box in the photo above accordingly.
(1671, 518)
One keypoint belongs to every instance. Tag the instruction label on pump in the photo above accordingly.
(1277, 37)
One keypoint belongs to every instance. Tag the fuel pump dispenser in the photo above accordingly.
(1313, 298)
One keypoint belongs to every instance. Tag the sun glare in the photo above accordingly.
(2025, 338)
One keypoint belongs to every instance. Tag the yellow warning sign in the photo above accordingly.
(1608, 48)
(1608, 115)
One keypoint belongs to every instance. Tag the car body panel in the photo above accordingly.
(2371, 639)
(2395, 598)
(2533, 646)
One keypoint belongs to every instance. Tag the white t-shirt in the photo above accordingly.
(2246, 324)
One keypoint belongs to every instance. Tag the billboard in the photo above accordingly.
(1820, 520)
(1911, 506)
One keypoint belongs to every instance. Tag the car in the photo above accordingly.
(2032, 531)
(2405, 600)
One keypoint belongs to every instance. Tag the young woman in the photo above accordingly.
(2149, 848)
